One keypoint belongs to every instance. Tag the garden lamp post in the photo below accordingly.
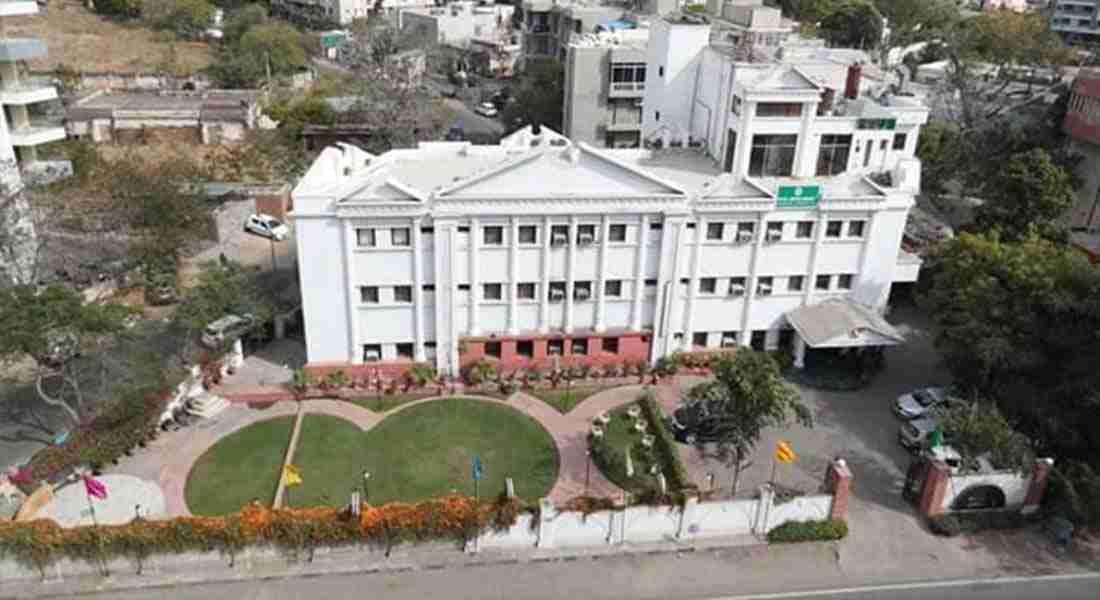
(366, 478)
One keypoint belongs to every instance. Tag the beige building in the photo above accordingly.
(209, 117)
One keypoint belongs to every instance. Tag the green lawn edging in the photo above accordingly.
(242, 466)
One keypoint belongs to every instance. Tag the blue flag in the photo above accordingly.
(477, 468)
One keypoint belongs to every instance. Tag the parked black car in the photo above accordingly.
(693, 423)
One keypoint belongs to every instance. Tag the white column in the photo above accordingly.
(418, 290)
(744, 139)
(601, 276)
(570, 274)
(474, 248)
(639, 275)
(819, 236)
(799, 351)
(668, 285)
(805, 165)
(513, 276)
(355, 354)
(452, 302)
(544, 286)
(693, 285)
(750, 281)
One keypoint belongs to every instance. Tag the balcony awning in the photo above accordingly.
(842, 323)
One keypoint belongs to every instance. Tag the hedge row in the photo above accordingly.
(39, 543)
(826, 530)
(667, 453)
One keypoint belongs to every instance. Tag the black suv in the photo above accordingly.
(692, 423)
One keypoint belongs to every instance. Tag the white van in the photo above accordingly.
(226, 329)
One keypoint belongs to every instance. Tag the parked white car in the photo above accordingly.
(920, 402)
(486, 109)
(226, 329)
(267, 226)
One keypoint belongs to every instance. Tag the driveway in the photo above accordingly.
(248, 249)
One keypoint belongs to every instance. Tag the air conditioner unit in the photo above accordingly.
(581, 294)
(559, 239)
(744, 237)
(764, 289)
(586, 239)
(557, 295)
(728, 342)
(773, 236)
(372, 356)
(737, 289)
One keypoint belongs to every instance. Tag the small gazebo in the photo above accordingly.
(839, 323)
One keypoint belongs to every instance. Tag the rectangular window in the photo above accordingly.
(372, 352)
(775, 231)
(795, 283)
(658, 226)
(525, 291)
(365, 238)
(429, 350)
(610, 345)
(805, 230)
(613, 288)
(833, 228)
(582, 290)
(729, 339)
(402, 293)
(579, 347)
(715, 231)
(745, 231)
(764, 286)
(399, 236)
(867, 147)
(822, 282)
(832, 155)
(737, 286)
(708, 285)
(493, 235)
(586, 234)
(525, 348)
(628, 72)
(699, 339)
(493, 349)
(528, 234)
(492, 291)
(844, 282)
(405, 351)
(557, 291)
(758, 340)
(772, 155)
(555, 347)
(427, 230)
(428, 288)
(559, 235)
(617, 233)
(779, 109)
(368, 294)
(855, 228)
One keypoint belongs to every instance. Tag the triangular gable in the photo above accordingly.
(784, 78)
(727, 185)
(551, 172)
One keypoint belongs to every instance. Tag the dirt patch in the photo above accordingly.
(78, 38)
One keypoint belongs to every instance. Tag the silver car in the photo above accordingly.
(919, 402)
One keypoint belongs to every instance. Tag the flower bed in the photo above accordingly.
(40, 543)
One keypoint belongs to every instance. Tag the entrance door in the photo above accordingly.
(731, 150)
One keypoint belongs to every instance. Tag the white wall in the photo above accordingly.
(1012, 484)
(324, 289)
(673, 55)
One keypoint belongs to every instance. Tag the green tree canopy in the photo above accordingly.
(240, 20)
(853, 24)
(187, 18)
(270, 45)
(746, 396)
(1027, 195)
(537, 94)
(981, 430)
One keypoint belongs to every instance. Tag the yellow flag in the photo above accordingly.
(291, 476)
(784, 453)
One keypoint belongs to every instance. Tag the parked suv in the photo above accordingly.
(266, 226)
(691, 423)
(914, 435)
(226, 329)
(920, 402)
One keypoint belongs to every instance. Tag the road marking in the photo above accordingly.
(911, 586)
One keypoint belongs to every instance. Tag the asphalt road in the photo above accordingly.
(1058, 587)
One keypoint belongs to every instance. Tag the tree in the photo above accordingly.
(275, 48)
(187, 18)
(123, 9)
(53, 325)
(1027, 194)
(981, 430)
(240, 20)
(229, 289)
(806, 10)
(747, 395)
(537, 94)
(853, 24)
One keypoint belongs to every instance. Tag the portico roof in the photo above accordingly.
(842, 323)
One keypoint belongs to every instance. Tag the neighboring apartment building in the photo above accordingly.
(1082, 124)
(341, 12)
(549, 25)
(207, 117)
(458, 23)
(1076, 20)
(542, 250)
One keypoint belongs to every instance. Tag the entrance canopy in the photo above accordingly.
(842, 323)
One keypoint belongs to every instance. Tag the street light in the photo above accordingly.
(366, 478)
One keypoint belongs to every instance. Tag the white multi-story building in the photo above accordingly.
(543, 249)
(458, 23)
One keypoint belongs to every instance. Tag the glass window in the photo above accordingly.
(555, 347)
(775, 230)
(628, 72)
(491, 291)
(365, 237)
(729, 339)
(579, 347)
(715, 231)
(372, 352)
(764, 286)
(399, 236)
(368, 294)
(832, 155)
(582, 290)
(617, 233)
(586, 234)
(493, 235)
(844, 282)
(795, 283)
(613, 288)
(559, 235)
(779, 109)
(855, 229)
(525, 291)
(610, 345)
(737, 286)
(405, 351)
(528, 234)
(699, 339)
(832, 229)
(557, 291)
(402, 293)
(805, 230)
(525, 348)
(822, 282)
(493, 349)
(772, 155)
(708, 285)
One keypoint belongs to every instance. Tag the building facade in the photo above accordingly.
(543, 250)
(1082, 124)
(604, 83)
(340, 12)
(1076, 20)
(458, 23)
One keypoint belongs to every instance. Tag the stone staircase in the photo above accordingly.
(206, 405)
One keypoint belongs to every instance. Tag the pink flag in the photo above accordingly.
(95, 488)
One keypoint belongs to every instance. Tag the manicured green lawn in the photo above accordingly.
(242, 466)
(619, 435)
(384, 402)
(566, 399)
(423, 451)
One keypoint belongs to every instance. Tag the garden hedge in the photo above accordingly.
(667, 453)
(826, 530)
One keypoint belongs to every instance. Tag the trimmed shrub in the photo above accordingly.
(664, 445)
(826, 530)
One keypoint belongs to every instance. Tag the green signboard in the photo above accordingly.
(888, 124)
(798, 196)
